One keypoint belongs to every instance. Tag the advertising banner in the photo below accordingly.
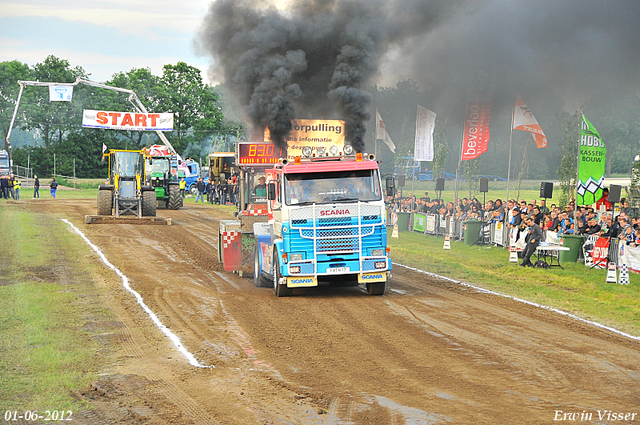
(425, 125)
(312, 133)
(419, 222)
(60, 93)
(476, 129)
(127, 120)
(590, 164)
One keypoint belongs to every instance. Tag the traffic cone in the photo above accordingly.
(395, 231)
(612, 276)
(513, 255)
(447, 242)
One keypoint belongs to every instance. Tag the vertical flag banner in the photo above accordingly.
(476, 129)
(524, 120)
(60, 93)
(425, 125)
(381, 133)
(590, 164)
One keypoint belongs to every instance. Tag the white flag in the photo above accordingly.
(425, 125)
(381, 133)
(60, 93)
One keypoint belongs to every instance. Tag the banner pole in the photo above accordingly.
(461, 147)
(577, 169)
(510, 146)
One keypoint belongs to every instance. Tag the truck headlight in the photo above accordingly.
(295, 257)
(380, 264)
(321, 150)
(348, 149)
(377, 252)
(333, 150)
(306, 151)
(294, 269)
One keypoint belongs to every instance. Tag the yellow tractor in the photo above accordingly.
(126, 191)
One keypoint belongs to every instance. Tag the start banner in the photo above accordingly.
(127, 120)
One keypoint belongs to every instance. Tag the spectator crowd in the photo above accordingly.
(585, 220)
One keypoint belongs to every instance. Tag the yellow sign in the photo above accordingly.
(312, 133)
(372, 277)
(301, 282)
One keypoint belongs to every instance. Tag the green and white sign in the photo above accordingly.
(590, 164)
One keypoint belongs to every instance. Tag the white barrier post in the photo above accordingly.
(622, 263)
(612, 275)
(447, 242)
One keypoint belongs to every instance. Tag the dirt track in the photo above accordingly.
(427, 352)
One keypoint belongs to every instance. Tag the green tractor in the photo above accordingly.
(125, 191)
(160, 175)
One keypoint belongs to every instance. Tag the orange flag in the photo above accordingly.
(524, 120)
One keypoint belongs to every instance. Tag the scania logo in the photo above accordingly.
(295, 281)
(372, 276)
(335, 212)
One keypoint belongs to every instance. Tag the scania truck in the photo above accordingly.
(327, 222)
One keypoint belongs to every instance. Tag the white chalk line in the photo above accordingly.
(125, 282)
(555, 310)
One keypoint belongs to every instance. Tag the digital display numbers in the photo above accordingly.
(258, 154)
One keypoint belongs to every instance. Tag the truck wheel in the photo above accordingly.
(105, 202)
(193, 190)
(376, 288)
(175, 200)
(280, 290)
(149, 203)
(258, 280)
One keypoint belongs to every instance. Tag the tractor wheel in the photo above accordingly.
(376, 288)
(175, 200)
(105, 202)
(280, 290)
(149, 203)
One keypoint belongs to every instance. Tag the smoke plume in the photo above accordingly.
(315, 58)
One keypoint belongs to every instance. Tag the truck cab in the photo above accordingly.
(327, 223)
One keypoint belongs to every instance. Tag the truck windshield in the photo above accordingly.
(337, 186)
(4, 164)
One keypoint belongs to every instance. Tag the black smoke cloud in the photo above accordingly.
(312, 60)
(315, 58)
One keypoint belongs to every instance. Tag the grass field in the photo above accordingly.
(576, 289)
(46, 353)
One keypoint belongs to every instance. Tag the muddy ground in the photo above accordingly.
(428, 352)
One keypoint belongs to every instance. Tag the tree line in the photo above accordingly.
(202, 123)
(43, 128)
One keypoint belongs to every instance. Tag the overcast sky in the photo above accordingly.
(103, 37)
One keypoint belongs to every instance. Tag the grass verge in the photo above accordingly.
(46, 298)
(576, 289)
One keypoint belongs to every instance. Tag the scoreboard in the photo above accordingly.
(258, 154)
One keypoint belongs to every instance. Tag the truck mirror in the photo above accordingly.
(391, 189)
(271, 192)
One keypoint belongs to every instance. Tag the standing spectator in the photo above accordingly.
(16, 189)
(534, 235)
(209, 190)
(11, 181)
(604, 200)
(543, 206)
(4, 187)
(36, 188)
(182, 186)
(200, 189)
(53, 186)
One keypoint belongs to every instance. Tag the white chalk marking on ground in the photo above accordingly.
(555, 310)
(125, 282)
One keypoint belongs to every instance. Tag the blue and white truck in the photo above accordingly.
(5, 163)
(327, 222)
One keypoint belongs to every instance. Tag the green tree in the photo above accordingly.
(52, 120)
(194, 103)
(10, 73)
(568, 163)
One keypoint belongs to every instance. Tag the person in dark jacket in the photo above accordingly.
(53, 186)
(534, 235)
(201, 189)
(36, 188)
